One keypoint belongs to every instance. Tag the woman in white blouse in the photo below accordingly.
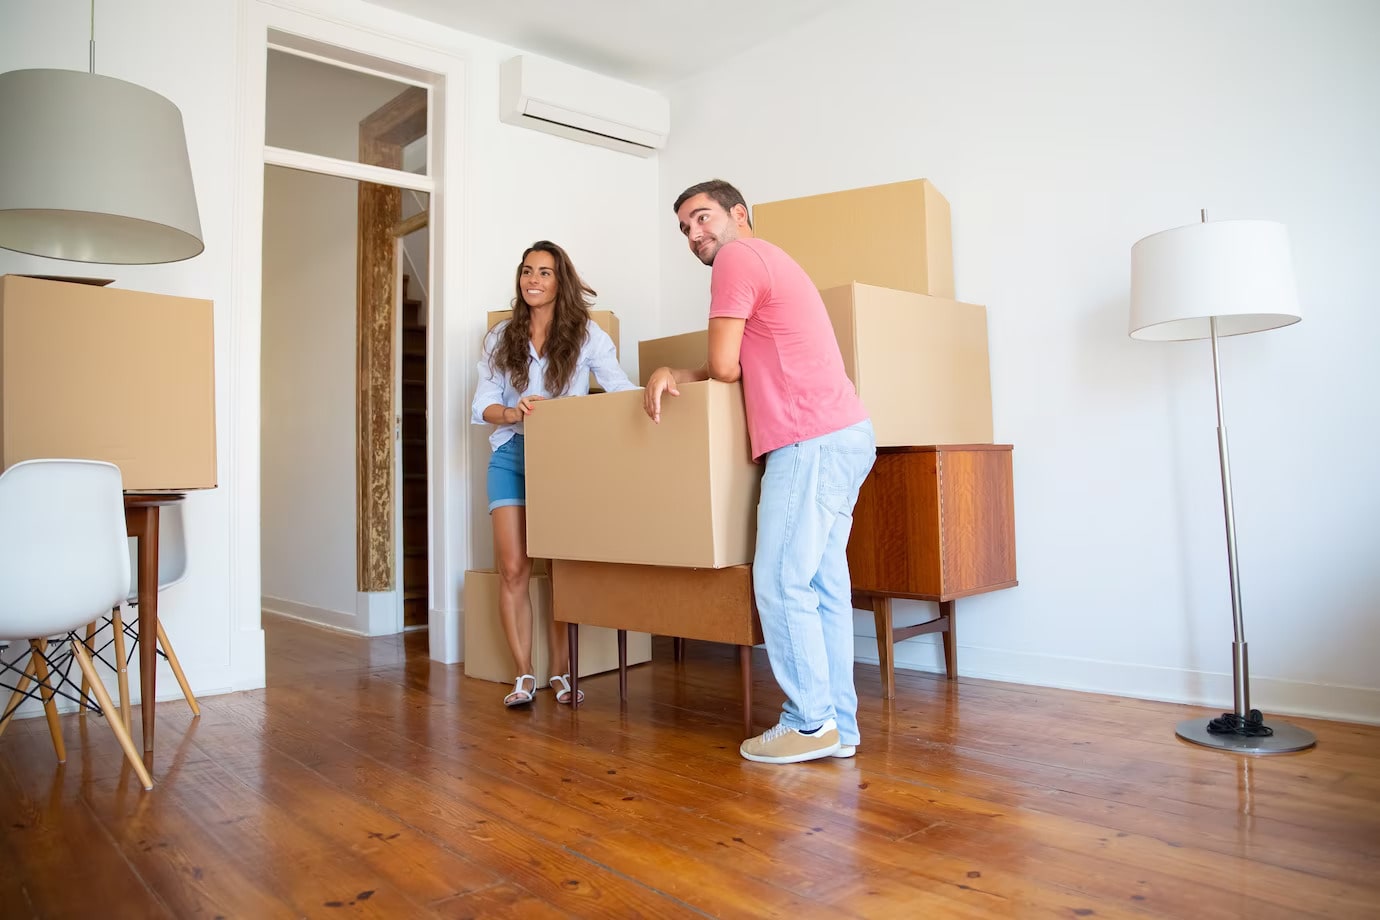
(546, 350)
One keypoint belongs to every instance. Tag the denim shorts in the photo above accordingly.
(508, 474)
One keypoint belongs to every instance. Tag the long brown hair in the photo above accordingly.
(569, 326)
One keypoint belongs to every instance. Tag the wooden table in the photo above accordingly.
(715, 605)
(141, 522)
(932, 523)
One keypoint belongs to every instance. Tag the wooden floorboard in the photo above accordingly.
(368, 780)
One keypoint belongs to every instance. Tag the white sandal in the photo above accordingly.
(564, 681)
(521, 696)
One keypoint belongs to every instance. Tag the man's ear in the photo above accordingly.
(740, 214)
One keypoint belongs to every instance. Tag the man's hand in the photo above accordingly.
(663, 380)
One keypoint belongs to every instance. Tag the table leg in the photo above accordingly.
(950, 637)
(745, 666)
(623, 666)
(678, 649)
(881, 613)
(573, 634)
(148, 617)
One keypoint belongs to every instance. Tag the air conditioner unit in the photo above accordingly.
(559, 99)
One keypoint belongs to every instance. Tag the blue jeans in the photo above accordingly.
(800, 574)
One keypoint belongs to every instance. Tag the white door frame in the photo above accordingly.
(310, 27)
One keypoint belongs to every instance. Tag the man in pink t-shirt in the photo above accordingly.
(769, 329)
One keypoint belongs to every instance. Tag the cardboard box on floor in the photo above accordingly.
(486, 648)
(690, 349)
(894, 236)
(606, 484)
(108, 374)
(920, 363)
(606, 320)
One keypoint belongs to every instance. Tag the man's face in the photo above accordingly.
(707, 226)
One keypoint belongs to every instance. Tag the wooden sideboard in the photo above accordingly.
(934, 524)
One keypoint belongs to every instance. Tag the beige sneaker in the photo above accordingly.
(845, 750)
(780, 744)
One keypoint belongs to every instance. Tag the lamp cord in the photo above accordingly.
(1251, 725)
(91, 61)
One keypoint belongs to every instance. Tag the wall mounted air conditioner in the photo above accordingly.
(559, 99)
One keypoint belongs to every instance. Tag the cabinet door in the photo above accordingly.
(977, 521)
(895, 545)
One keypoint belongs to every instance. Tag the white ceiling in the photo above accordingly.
(651, 42)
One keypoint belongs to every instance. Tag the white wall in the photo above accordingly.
(308, 439)
(187, 53)
(515, 186)
(1061, 133)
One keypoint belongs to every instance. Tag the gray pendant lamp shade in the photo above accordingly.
(93, 169)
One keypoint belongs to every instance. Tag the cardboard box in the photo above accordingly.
(486, 648)
(919, 363)
(715, 605)
(606, 320)
(103, 373)
(689, 350)
(606, 484)
(894, 236)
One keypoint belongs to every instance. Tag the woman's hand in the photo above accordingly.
(526, 405)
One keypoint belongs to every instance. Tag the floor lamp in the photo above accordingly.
(1210, 280)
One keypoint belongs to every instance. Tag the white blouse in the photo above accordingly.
(597, 355)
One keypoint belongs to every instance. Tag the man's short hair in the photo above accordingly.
(722, 192)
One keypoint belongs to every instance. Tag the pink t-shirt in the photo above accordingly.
(794, 385)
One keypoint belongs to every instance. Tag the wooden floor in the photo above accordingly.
(367, 780)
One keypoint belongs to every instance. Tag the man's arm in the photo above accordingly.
(725, 347)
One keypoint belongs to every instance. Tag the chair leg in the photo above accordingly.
(17, 694)
(45, 690)
(90, 643)
(117, 624)
(164, 644)
(116, 724)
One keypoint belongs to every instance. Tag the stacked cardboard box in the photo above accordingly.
(486, 647)
(102, 373)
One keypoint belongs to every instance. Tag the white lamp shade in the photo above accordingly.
(93, 169)
(1238, 271)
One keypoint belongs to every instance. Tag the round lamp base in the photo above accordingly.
(1286, 738)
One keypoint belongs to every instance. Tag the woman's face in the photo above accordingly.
(537, 279)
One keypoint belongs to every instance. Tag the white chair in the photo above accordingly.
(172, 568)
(63, 558)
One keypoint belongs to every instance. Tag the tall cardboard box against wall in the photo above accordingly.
(690, 349)
(896, 235)
(607, 484)
(486, 648)
(108, 374)
(919, 363)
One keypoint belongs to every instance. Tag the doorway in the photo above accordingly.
(345, 502)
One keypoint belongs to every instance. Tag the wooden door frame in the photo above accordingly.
(382, 137)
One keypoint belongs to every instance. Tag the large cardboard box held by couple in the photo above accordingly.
(895, 235)
(486, 648)
(607, 484)
(102, 373)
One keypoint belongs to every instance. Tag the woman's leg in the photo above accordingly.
(514, 571)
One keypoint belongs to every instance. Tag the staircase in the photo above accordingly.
(414, 453)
